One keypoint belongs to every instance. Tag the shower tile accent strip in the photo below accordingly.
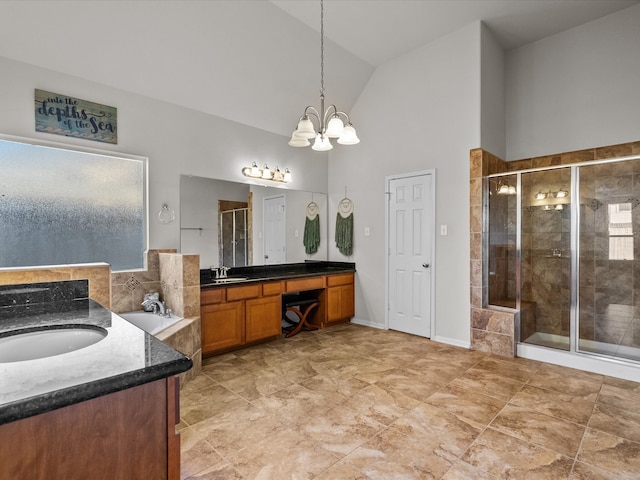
(493, 330)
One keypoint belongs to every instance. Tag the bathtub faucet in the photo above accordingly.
(153, 304)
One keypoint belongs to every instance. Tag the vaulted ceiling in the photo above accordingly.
(256, 61)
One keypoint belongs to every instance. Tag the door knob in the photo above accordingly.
(425, 265)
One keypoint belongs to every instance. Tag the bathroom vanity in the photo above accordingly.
(102, 404)
(246, 307)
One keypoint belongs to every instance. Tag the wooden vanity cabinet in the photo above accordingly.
(222, 326)
(126, 435)
(239, 315)
(263, 318)
(340, 298)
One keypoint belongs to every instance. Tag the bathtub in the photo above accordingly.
(150, 322)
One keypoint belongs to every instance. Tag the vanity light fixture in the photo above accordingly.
(330, 121)
(541, 195)
(265, 173)
(561, 194)
(505, 189)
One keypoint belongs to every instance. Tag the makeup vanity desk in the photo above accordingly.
(247, 307)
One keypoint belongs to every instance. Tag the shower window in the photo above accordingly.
(620, 231)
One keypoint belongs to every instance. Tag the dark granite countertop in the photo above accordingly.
(125, 358)
(263, 273)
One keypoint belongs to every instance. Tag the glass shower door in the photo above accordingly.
(609, 268)
(233, 241)
(545, 260)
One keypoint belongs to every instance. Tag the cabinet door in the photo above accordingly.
(263, 317)
(340, 303)
(222, 326)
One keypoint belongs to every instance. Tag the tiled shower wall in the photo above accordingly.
(494, 329)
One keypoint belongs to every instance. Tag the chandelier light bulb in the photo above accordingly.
(335, 127)
(348, 136)
(321, 144)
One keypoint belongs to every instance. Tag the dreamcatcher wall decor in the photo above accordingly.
(344, 226)
(311, 237)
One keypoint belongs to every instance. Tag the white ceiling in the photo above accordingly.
(256, 61)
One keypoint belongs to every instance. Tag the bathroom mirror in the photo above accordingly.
(239, 224)
(64, 205)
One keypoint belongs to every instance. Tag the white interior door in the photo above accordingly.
(410, 237)
(275, 234)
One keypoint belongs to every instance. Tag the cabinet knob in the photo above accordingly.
(425, 265)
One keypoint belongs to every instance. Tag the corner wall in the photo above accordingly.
(420, 111)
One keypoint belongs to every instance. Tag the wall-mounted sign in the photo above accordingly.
(73, 117)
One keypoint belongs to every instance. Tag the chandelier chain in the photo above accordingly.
(321, 48)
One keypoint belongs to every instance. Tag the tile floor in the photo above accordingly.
(352, 402)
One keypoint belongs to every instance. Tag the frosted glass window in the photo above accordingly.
(60, 206)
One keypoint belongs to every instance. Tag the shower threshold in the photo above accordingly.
(561, 342)
(549, 340)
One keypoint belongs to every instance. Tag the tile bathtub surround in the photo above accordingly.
(352, 402)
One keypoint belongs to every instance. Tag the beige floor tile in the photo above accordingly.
(237, 428)
(285, 455)
(472, 407)
(576, 409)
(356, 403)
(393, 454)
(518, 371)
(464, 471)
(611, 453)
(340, 430)
(382, 405)
(617, 421)
(435, 371)
(430, 424)
(582, 471)
(206, 402)
(488, 383)
(567, 380)
(540, 429)
(505, 456)
(254, 385)
(620, 397)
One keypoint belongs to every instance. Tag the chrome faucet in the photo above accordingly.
(220, 272)
(153, 304)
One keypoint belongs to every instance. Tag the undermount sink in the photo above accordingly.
(230, 279)
(21, 345)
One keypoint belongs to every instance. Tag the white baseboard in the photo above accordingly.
(366, 323)
(452, 341)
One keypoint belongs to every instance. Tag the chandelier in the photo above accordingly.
(330, 120)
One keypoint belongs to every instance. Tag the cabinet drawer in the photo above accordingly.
(302, 284)
(271, 288)
(242, 293)
(334, 280)
(211, 295)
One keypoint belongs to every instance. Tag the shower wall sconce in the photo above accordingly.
(265, 173)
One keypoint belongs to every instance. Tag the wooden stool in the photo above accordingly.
(302, 308)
